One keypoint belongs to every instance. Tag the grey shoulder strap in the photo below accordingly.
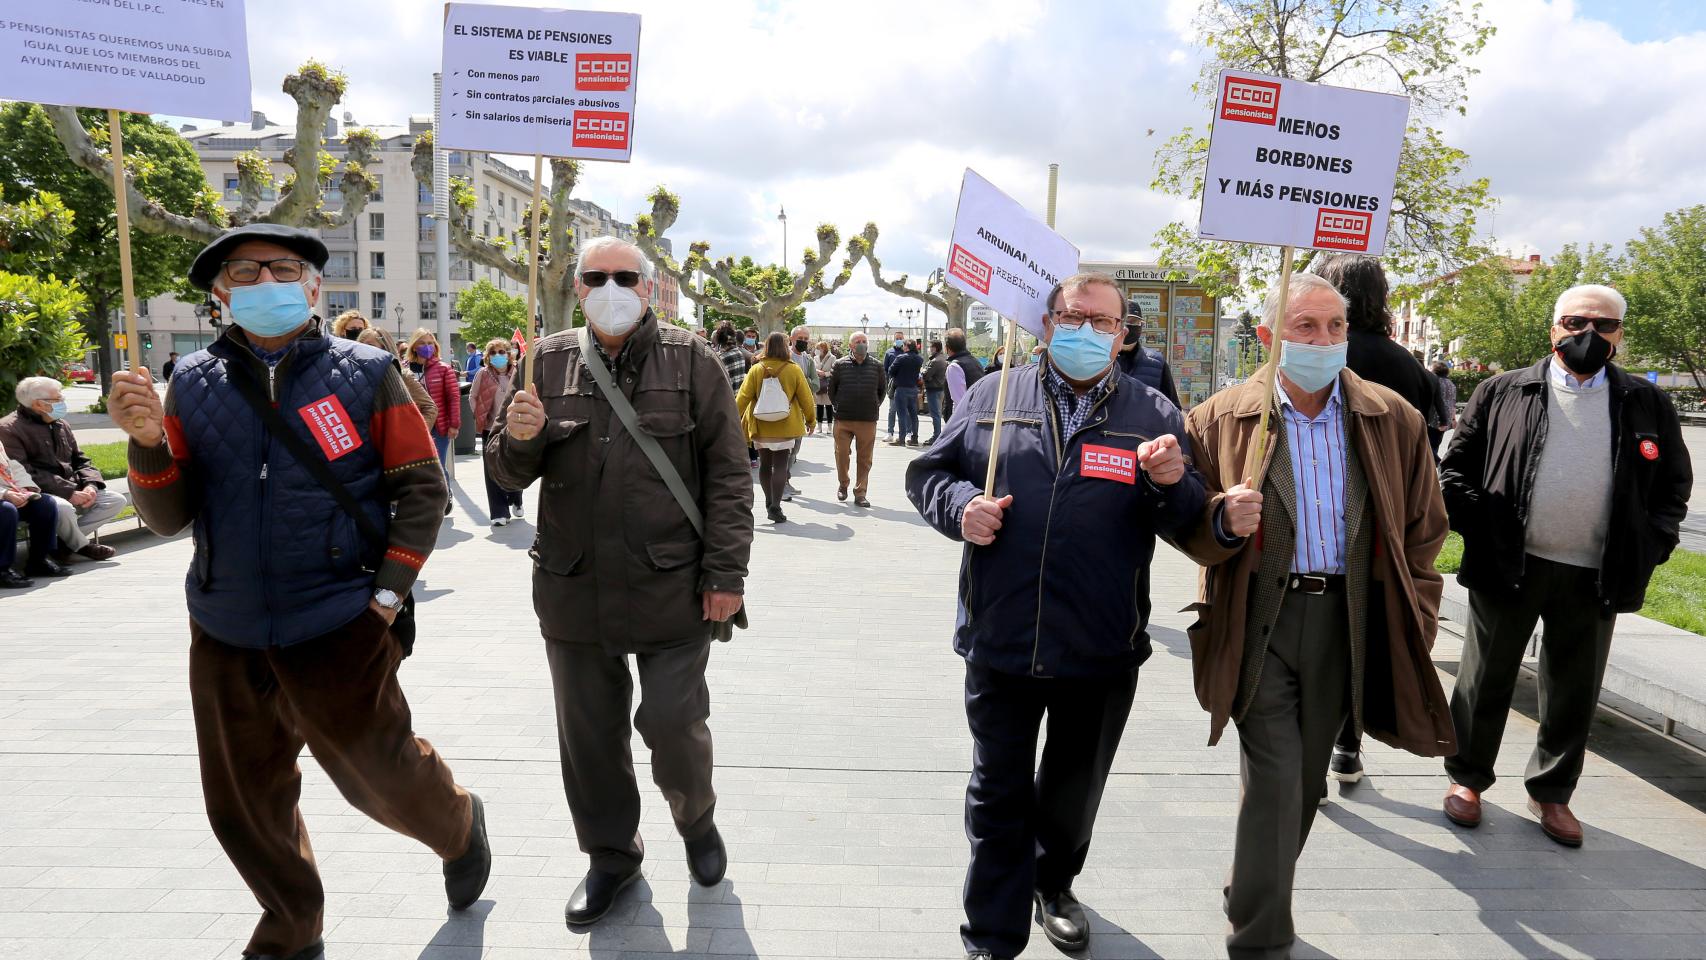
(647, 443)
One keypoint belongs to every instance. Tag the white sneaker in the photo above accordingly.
(500, 521)
(516, 512)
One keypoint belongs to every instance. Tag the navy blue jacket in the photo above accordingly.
(1064, 589)
(904, 371)
(1150, 369)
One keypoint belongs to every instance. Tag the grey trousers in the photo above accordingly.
(1573, 649)
(76, 525)
(1285, 741)
(594, 693)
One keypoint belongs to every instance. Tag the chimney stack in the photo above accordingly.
(257, 120)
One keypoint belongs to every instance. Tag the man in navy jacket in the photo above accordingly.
(1053, 600)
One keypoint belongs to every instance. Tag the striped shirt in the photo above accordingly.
(1317, 448)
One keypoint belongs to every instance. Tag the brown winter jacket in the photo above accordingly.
(1398, 696)
(616, 561)
(50, 451)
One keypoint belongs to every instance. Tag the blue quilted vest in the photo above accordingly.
(277, 561)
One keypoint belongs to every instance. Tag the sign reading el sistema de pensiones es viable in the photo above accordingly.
(529, 80)
(1301, 164)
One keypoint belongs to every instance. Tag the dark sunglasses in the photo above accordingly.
(1600, 324)
(624, 278)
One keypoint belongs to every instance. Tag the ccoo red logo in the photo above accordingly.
(962, 264)
(1108, 463)
(1649, 449)
(1250, 101)
(1342, 229)
(329, 423)
(601, 129)
(604, 71)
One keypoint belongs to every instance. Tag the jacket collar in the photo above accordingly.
(25, 412)
(1358, 396)
(638, 344)
(1536, 376)
(233, 346)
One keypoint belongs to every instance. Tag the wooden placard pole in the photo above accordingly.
(127, 284)
(1256, 466)
(1007, 353)
(532, 275)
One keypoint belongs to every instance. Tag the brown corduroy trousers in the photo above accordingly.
(337, 694)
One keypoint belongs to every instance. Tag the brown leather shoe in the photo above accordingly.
(1557, 822)
(1463, 806)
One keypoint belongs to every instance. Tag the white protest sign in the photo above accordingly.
(188, 58)
(1003, 256)
(1303, 165)
(538, 81)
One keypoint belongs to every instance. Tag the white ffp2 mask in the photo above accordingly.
(613, 310)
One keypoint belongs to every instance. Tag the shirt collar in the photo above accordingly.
(1561, 377)
(1333, 399)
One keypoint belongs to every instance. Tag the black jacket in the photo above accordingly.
(1488, 478)
(905, 371)
(936, 372)
(857, 389)
(968, 365)
(1147, 367)
(1374, 356)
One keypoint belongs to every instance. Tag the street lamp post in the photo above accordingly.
(398, 310)
(782, 215)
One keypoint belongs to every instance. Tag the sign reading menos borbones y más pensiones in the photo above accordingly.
(535, 81)
(1300, 164)
(177, 57)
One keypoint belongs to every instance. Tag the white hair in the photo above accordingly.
(858, 333)
(1301, 283)
(1597, 291)
(597, 244)
(31, 389)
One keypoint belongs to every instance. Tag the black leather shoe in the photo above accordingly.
(1062, 920)
(596, 895)
(13, 580)
(465, 877)
(314, 951)
(45, 567)
(707, 860)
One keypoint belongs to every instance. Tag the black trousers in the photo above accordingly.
(1029, 825)
(1574, 645)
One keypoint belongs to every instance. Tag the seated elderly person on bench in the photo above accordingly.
(37, 436)
(21, 502)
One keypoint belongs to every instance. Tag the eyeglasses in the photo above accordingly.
(1072, 320)
(624, 278)
(285, 270)
(1600, 324)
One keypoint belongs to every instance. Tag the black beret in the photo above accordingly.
(295, 239)
(1133, 309)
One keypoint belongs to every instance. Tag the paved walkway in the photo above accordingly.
(842, 757)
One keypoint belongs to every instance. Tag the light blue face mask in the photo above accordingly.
(1083, 353)
(499, 360)
(58, 412)
(1311, 366)
(269, 309)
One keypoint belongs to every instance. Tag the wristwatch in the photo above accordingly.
(388, 598)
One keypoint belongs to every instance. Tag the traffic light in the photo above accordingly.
(148, 341)
(215, 311)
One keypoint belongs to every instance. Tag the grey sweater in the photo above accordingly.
(1570, 507)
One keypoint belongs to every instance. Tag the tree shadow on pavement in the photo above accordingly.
(716, 925)
(463, 935)
(1547, 901)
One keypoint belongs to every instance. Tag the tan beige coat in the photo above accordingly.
(1401, 701)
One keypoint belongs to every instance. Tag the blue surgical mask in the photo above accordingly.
(499, 360)
(269, 309)
(1310, 366)
(58, 412)
(1083, 353)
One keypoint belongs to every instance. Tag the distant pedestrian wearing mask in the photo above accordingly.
(491, 385)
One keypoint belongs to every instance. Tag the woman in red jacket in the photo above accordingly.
(444, 386)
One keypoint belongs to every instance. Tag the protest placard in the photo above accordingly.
(184, 59)
(557, 83)
(1301, 164)
(1002, 255)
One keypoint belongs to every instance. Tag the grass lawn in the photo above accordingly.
(1676, 595)
(109, 457)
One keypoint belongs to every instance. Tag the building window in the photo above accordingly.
(500, 204)
(337, 301)
(339, 266)
(232, 192)
(378, 313)
(486, 229)
(334, 192)
(426, 266)
(423, 193)
(488, 189)
(429, 308)
(188, 343)
(376, 265)
(455, 158)
(461, 269)
(426, 227)
(378, 193)
(376, 226)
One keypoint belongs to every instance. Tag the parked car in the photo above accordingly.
(78, 373)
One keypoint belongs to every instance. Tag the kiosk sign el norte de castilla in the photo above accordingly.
(1302, 165)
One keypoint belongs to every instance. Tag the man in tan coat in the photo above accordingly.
(1318, 595)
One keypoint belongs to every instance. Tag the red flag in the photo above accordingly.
(520, 343)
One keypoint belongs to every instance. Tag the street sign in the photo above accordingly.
(121, 342)
(556, 83)
(1302, 165)
(181, 58)
(1002, 255)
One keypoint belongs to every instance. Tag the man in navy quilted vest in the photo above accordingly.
(291, 607)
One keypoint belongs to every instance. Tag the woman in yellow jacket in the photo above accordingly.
(774, 433)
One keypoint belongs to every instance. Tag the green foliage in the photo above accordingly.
(1507, 324)
(33, 233)
(1450, 557)
(39, 332)
(163, 166)
(1677, 593)
(489, 313)
(766, 281)
(1467, 380)
(1418, 48)
(112, 459)
(1664, 279)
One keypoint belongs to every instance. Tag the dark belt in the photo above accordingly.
(1316, 583)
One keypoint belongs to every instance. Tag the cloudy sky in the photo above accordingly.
(1585, 115)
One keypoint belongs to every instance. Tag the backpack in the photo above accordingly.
(773, 403)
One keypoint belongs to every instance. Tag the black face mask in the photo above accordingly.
(1133, 333)
(353, 333)
(1585, 353)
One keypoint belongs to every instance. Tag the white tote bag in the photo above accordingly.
(773, 403)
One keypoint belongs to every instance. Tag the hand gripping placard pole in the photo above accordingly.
(532, 275)
(127, 283)
(1256, 466)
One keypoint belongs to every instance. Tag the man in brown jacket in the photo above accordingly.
(1318, 595)
(619, 569)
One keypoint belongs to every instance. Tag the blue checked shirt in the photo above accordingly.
(1317, 448)
(1072, 408)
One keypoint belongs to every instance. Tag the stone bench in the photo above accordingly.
(1652, 664)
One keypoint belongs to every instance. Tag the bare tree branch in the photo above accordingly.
(145, 214)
